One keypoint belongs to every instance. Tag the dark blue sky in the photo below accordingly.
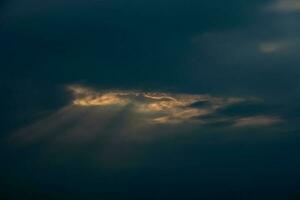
(161, 56)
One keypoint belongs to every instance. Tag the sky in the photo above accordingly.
(150, 99)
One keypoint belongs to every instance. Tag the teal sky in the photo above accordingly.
(150, 99)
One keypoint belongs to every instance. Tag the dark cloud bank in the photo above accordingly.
(173, 99)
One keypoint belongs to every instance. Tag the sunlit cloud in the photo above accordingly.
(92, 113)
(159, 107)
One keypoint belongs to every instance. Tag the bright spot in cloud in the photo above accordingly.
(273, 47)
(257, 121)
(285, 6)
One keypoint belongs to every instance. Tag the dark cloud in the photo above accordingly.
(117, 43)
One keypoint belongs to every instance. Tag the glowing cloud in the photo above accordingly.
(159, 107)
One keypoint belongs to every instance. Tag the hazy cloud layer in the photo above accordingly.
(110, 119)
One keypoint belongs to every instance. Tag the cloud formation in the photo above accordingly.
(107, 122)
